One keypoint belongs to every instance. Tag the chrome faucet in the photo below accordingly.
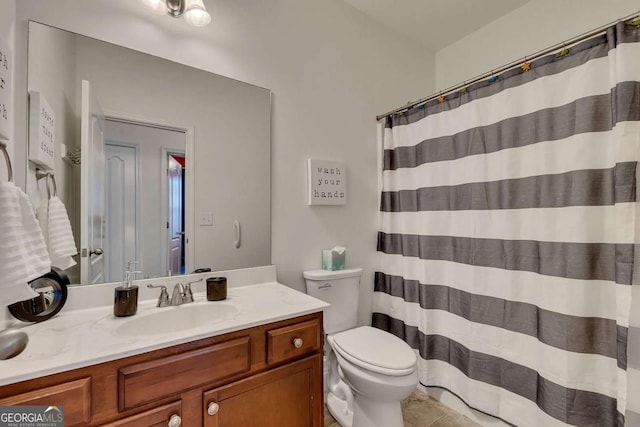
(181, 294)
(164, 300)
(177, 295)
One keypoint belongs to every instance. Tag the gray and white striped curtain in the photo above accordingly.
(506, 242)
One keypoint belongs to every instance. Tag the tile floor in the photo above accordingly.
(420, 410)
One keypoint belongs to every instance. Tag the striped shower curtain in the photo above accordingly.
(507, 231)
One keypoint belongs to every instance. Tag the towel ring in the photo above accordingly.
(55, 186)
(50, 177)
(3, 148)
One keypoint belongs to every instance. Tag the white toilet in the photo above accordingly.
(367, 371)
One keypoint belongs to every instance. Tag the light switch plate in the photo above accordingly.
(206, 219)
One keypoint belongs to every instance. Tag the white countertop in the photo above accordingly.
(79, 338)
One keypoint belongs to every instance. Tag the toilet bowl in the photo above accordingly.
(369, 371)
(379, 379)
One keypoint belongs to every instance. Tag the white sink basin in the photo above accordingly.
(174, 319)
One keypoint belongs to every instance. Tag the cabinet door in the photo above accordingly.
(287, 396)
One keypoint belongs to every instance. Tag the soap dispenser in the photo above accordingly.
(125, 302)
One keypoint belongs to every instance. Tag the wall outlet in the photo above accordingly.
(206, 219)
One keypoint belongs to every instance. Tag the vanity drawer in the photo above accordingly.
(145, 382)
(159, 416)
(75, 396)
(293, 341)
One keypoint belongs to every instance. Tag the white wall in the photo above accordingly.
(52, 73)
(7, 27)
(331, 69)
(535, 26)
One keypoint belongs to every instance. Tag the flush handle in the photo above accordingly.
(213, 408)
(175, 420)
(297, 342)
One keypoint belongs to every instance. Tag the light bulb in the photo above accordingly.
(157, 6)
(196, 14)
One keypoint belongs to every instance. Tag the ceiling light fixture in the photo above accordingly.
(193, 11)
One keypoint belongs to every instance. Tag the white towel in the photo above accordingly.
(56, 228)
(23, 254)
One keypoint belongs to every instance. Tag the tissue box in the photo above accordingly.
(333, 259)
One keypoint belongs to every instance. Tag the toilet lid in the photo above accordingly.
(376, 350)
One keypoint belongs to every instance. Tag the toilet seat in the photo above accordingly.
(375, 350)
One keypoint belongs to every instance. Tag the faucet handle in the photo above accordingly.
(188, 294)
(163, 300)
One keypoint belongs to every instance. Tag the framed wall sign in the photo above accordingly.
(6, 66)
(327, 182)
(42, 122)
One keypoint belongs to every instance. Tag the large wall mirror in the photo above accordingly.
(156, 162)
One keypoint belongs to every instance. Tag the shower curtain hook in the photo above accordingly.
(564, 51)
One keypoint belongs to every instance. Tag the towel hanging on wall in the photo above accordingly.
(23, 254)
(56, 228)
(55, 225)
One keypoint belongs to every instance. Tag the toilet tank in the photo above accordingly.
(341, 289)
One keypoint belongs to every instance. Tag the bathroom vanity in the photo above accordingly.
(259, 364)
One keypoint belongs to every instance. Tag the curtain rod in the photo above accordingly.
(512, 64)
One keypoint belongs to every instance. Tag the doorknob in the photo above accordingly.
(96, 251)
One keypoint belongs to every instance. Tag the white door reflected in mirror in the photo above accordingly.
(92, 187)
(150, 184)
(122, 210)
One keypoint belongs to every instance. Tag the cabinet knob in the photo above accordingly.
(175, 420)
(213, 408)
(297, 342)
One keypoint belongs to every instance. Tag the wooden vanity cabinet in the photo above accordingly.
(268, 375)
(280, 397)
